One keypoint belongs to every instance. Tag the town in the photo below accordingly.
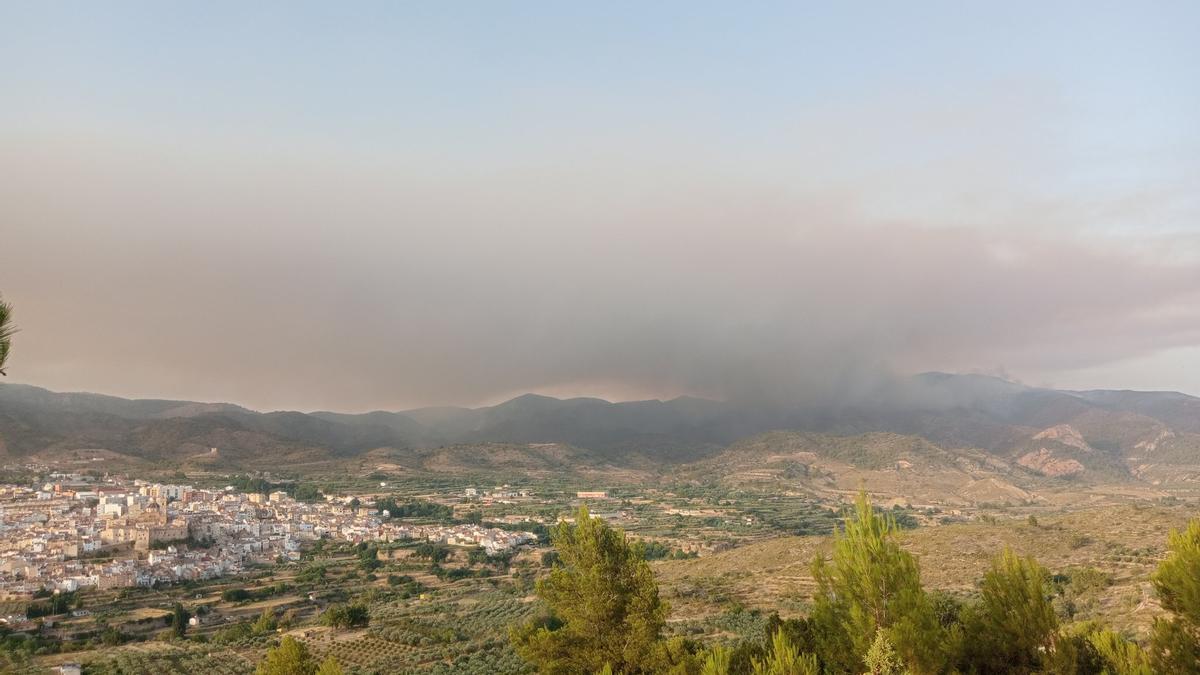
(75, 533)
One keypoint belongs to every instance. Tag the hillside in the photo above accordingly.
(1122, 543)
(894, 467)
(960, 424)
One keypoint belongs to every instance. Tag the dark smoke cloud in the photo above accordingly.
(312, 286)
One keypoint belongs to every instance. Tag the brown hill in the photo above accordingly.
(894, 467)
(963, 420)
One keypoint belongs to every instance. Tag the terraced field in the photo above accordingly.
(162, 659)
(423, 621)
(463, 628)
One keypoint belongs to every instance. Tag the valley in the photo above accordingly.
(1090, 484)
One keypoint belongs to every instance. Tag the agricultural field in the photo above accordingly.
(448, 612)
(462, 629)
(726, 559)
(182, 659)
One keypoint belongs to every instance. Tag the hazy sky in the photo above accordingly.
(355, 205)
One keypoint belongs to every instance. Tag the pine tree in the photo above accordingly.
(1175, 643)
(266, 622)
(179, 620)
(881, 658)
(7, 330)
(784, 658)
(291, 657)
(1119, 656)
(603, 602)
(873, 585)
(330, 666)
(716, 661)
(1013, 627)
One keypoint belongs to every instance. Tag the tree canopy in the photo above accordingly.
(871, 585)
(1175, 644)
(7, 329)
(1014, 626)
(330, 666)
(870, 614)
(353, 615)
(291, 657)
(603, 603)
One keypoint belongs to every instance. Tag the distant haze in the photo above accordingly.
(292, 207)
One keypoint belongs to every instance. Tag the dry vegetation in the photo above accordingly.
(1123, 543)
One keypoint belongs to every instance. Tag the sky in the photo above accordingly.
(357, 206)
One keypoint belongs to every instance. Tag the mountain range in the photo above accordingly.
(1062, 434)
